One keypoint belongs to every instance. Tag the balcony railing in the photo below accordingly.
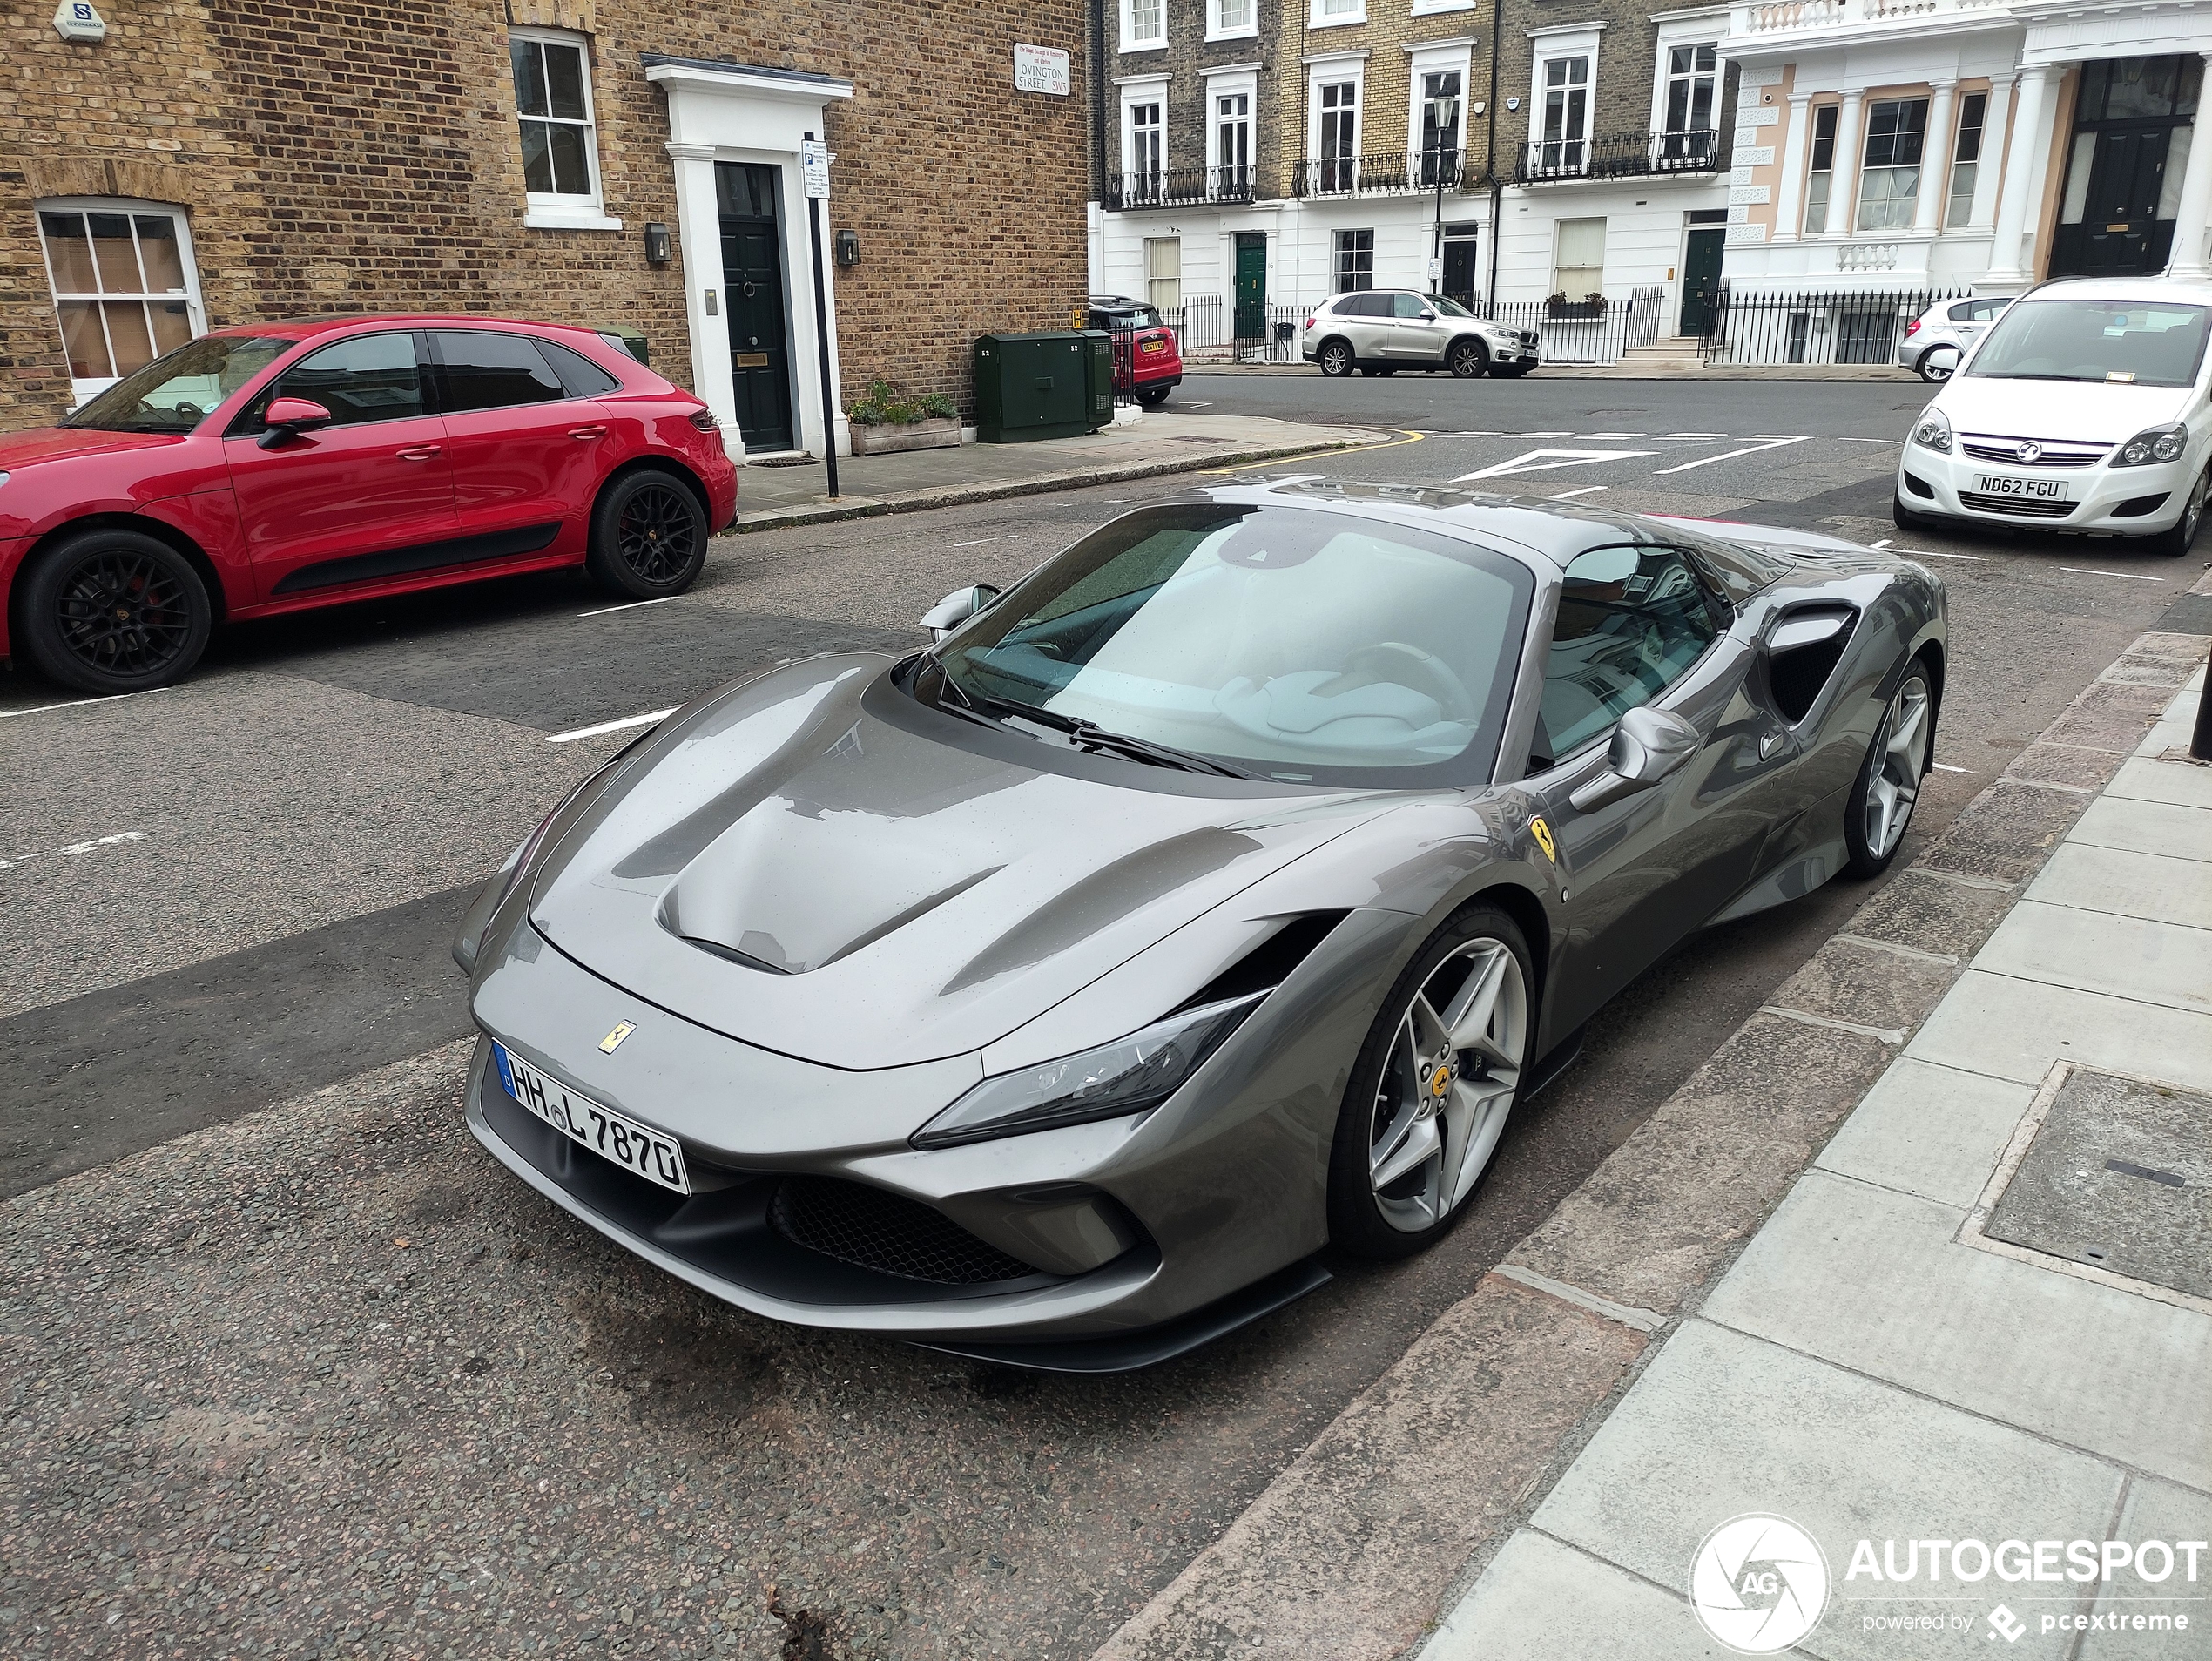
(1621, 155)
(1783, 17)
(1180, 187)
(1403, 173)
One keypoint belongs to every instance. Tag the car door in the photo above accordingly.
(1417, 334)
(1365, 324)
(1637, 625)
(527, 454)
(366, 497)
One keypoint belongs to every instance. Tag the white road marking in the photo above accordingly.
(116, 840)
(1533, 462)
(628, 606)
(1930, 553)
(1697, 435)
(609, 726)
(980, 541)
(1547, 434)
(2083, 570)
(1613, 435)
(78, 703)
(1568, 496)
(1882, 544)
(1730, 455)
(1945, 766)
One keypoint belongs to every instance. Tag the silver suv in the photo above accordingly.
(1379, 331)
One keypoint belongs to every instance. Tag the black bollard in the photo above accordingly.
(2201, 741)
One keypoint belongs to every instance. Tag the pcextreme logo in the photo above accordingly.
(1758, 1584)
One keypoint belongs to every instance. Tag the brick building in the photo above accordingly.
(196, 165)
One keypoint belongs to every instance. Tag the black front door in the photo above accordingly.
(2123, 166)
(2119, 217)
(1701, 279)
(752, 294)
(1460, 263)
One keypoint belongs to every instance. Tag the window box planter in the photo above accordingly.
(1570, 309)
(887, 438)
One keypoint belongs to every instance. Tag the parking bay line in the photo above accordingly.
(79, 703)
(1568, 496)
(628, 606)
(1771, 442)
(2083, 570)
(1888, 547)
(610, 726)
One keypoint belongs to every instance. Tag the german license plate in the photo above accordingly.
(2007, 484)
(607, 1133)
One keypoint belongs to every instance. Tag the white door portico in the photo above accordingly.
(739, 112)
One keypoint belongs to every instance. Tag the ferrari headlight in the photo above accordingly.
(1933, 432)
(1111, 1082)
(2159, 444)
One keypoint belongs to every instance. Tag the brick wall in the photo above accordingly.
(366, 159)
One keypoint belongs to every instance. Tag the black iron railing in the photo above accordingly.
(1621, 155)
(1179, 187)
(1837, 325)
(1399, 173)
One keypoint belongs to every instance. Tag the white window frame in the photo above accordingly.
(1332, 70)
(1152, 280)
(1904, 205)
(1140, 90)
(1957, 213)
(543, 211)
(1438, 57)
(195, 313)
(1707, 26)
(1318, 15)
(1563, 40)
(1154, 43)
(1241, 80)
(1606, 239)
(1217, 30)
(1431, 8)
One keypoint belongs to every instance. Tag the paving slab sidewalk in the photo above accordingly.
(1161, 441)
(1543, 1464)
(1634, 371)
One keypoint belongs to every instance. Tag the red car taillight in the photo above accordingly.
(704, 420)
(1311, 321)
(1912, 327)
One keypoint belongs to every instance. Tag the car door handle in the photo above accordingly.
(419, 453)
(586, 432)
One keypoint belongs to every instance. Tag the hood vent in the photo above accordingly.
(1268, 964)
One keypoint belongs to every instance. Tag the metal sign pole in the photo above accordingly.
(814, 163)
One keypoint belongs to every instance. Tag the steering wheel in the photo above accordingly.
(1394, 660)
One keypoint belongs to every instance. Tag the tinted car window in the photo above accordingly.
(1632, 620)
(1364, 306)
(370, 377)
(488, 371)
(583, 378)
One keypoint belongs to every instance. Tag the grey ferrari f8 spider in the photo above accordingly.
(1063, 993)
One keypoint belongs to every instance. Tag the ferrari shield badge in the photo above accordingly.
(1543, 833)
(612, 1041)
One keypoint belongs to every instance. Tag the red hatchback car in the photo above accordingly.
(1147, 359)
(279, 466)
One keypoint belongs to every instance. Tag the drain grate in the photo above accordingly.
(2118, 1175)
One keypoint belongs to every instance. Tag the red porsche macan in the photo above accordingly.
(279, 466)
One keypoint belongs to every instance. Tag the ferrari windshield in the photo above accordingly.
(1292, 643)
(174, 394)
(2154, 344)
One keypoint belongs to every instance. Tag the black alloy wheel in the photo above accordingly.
(108, 611)
(1153, 397)
(649, 536)
(1469, 359)
(1336, 359)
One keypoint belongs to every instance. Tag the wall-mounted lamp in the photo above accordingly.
(848, 247)
(657, 244)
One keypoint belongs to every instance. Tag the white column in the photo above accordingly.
(1991, 167)
(1790, 200)
(706, 312)
(1843, 185)
(1935, 158)
(2194, 207)
(2023, 173)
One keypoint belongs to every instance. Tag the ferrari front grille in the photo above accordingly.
(872, 1228)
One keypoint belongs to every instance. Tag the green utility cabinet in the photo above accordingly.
(1057, 383)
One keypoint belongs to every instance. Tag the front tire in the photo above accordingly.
(2177, 539)
(1937, 363)
(1881, 802)
(1904, 519)
(1153, 397)
(649, 535)
(1433, 1088)
(1468, 360)
(107, 612)
(1335, 359)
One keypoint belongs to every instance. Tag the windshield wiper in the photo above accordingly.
(1088, 735)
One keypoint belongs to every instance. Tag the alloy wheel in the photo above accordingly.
(1447, 1084)
(1468, 360)
(1900, 762)
(124, 614)
(656, 534)
(1336, 359)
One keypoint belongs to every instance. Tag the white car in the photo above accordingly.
(2082, 409)
(1379, 331)
(1939, 337)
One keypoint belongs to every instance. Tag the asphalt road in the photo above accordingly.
(326, 1375)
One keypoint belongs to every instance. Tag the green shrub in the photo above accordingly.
(881, 408)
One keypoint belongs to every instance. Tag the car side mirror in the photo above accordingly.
(286, 417)
(1648, 746)
(956, 608)
(1427, 317)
